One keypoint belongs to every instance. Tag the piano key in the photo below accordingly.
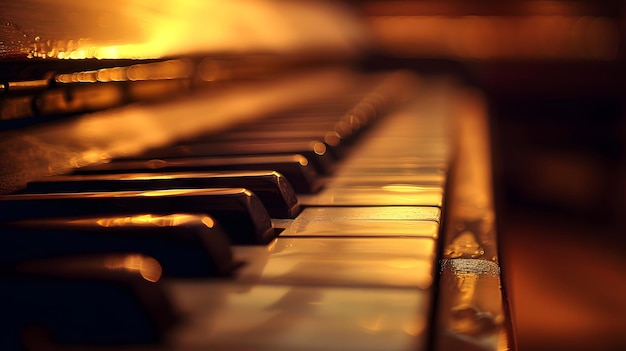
(368, 195)
(310, 113)
(238, 210)
(296, 168)
(315, 120)
(284, 317)
(102, 299)
(271, 187)
(374, 167)
(382, 180)
(417, 174)
(333, 261)
(367, 162)
(314, 150)
(185, 245)
(411, 149)
(333, 139)
(275, 134)
(392, 221)
(357, 106)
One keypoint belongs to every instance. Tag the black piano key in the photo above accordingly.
(296, 168)
(335, 135)
(314, 132)
(101, 299)
(185, 245)
(238, 210)
(314, 114)
(314, 150)
(296, 124)
(272, 188)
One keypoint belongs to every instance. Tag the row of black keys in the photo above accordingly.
(172, 212)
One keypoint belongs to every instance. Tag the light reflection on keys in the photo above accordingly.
(353, 277)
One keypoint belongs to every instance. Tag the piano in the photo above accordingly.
(319, 179)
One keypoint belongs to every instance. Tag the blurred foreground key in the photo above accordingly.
(103, 299)
(185, 245)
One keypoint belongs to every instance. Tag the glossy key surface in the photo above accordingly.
(391, 221)
(385, 195)
(296, 168)
(239, 211)
(332, 261)
(271, 187)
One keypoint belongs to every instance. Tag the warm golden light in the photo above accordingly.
(464, 245)
(141, 29)
(319, 148)
(167, 192)
(148, 219)
(208, 221)
(122, 221)
(303, 161)
(148, 267)
(404, 188)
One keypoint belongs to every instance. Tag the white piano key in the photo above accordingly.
(387, 195)
(364, 262)
(380, 164)
(369, 167)
(391, 148)
(404, 221)
(226, 316)
(382, 180)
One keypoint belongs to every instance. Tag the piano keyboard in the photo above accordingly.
(318, 227)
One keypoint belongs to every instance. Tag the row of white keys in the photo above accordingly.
(401, 163)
